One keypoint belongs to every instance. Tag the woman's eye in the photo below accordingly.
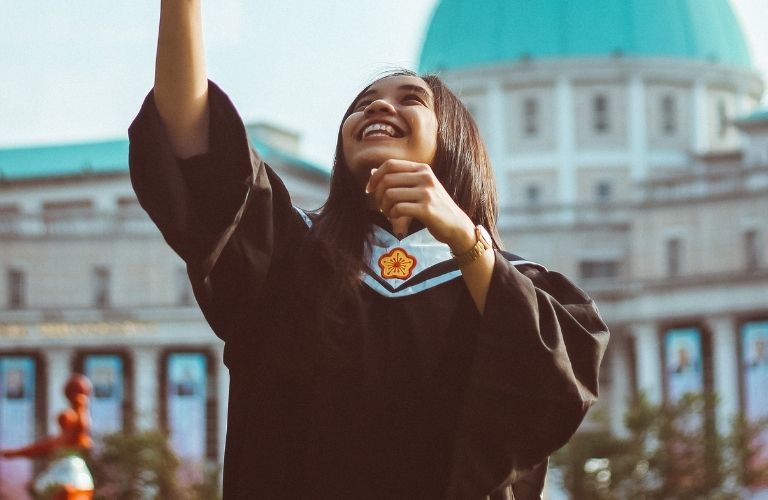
(362, 104)
(413, 99)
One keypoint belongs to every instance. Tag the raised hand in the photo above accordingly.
(403, 190)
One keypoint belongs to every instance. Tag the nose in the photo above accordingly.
(379, 106)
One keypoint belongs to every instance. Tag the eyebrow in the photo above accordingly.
(416, 89)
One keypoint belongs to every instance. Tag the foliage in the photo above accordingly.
(672, 452)
(141, 465)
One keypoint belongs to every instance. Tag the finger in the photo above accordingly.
(398, 195)
(407, 209)
(368, 188)
(394, 166)
(397, 180)
(422, 179)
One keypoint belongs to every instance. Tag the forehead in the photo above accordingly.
(396, 83)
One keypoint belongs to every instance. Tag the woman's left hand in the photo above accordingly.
(403, 188)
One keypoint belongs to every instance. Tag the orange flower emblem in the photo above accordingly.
(397, 264)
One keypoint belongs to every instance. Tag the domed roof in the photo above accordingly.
(466, 33)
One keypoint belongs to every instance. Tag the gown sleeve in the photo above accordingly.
(225, 213)
(535, 374)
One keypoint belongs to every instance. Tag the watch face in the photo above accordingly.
(486, 236)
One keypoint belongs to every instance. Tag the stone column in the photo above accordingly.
(648, 352)
(637, 129)
(566, 145)
(146, 382)
(726, 370)
(496, 133)
(700, 117)
(58, 362)
(620, 375)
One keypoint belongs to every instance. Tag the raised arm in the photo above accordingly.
(181, 84)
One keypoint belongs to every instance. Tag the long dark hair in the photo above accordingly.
(461, 165)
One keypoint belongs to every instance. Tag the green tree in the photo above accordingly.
(672, 452)
(141, 465)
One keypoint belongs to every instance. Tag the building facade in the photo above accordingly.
(89, 285)
(630, 154)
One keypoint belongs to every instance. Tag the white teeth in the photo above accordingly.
(379, 129)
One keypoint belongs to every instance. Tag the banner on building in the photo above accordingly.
(683, 362)
(107, 376)
(17, 421)
(186, 400)
(754, 348)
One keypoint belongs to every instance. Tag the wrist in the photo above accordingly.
(464, 238)
(482, 243)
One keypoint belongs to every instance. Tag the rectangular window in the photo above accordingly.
(532, 194)
(683, 363)
(531, 117)
(722, 119)
(107, 374)
(674, 257)
(9, 218)
(101, 287)
(18, 417)
(600, 122)
(186, 404)
(751, 249)
(17, 289)
(183, 288)
(599, 269)
(754, 372)
(754, 380)
(603, 191)
(668, 115)
(68, 216)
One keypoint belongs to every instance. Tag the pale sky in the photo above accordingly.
(77, 70)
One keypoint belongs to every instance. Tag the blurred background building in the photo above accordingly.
(90, 286)
(630, 154)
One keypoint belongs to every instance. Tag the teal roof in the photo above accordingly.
(66, 160)
(63, 160)
(757, 116)
(466, 33)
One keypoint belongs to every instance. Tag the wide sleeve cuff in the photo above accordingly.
(193, 206)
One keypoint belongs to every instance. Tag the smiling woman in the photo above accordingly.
(394, 119)
(384, 347)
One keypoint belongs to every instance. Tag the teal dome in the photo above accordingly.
(466, 33)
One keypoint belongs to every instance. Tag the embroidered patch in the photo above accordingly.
(397, 264)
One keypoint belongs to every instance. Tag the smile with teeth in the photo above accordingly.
(380, 129)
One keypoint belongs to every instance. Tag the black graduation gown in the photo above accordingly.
(414, 395)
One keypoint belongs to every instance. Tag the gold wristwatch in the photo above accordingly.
(484, 242)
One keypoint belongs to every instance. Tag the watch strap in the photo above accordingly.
(474, 253)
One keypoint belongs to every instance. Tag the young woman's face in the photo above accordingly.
(393, 120)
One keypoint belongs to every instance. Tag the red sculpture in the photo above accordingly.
(67, 477)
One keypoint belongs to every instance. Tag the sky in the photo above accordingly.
(77, 70)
